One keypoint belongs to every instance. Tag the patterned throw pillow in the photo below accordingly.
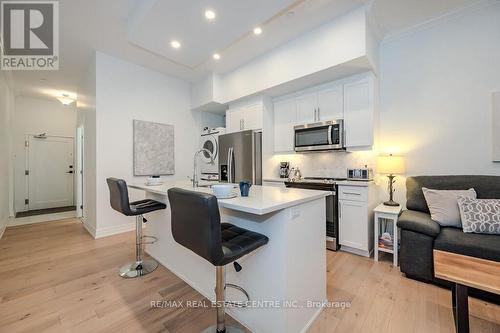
(480, 216)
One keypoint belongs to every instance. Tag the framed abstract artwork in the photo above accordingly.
(153, 149)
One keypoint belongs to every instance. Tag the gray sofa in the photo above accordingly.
(420, 234)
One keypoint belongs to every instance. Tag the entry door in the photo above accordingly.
(51, 172)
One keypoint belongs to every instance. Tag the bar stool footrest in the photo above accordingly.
(242, 304)
(154, 239)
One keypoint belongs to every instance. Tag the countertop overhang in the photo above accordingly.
(261, 200)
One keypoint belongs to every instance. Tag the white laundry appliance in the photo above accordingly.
(210, 141)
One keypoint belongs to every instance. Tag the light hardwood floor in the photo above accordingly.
(54, 277)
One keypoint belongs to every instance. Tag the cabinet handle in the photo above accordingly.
(351, 193)
(315, 116)
(241, 125)
(318, 114)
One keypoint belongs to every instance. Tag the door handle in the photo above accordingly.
(230, 165)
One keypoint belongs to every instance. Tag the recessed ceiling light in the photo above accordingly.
(175, 44)
(209, 14)
(257, 30)
(216, 56)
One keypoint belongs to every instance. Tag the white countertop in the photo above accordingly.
(262, 199)
(361, 183)
(275, 180)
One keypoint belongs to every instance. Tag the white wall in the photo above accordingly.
(6, 111)
(86, 118)
(436, 86)
(125, 92)
(35, 116)
(332, 44)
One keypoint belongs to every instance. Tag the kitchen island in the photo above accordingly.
(286, 279)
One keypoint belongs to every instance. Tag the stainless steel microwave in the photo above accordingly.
(327, 135)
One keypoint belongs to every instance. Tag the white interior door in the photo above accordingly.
(51, 172)
(79, 172)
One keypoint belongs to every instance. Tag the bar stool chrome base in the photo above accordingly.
(136, 269)
(229, 329)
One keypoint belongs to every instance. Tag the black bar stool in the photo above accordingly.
(120, 202)
(196, 225)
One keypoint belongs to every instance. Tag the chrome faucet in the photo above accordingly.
(195, 166)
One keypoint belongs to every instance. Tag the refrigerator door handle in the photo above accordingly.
(230, 161)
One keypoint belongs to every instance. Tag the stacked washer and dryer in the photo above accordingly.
(210, 141)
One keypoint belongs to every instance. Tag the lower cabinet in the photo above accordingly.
(355, 220)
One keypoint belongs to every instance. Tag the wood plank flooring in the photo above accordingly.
(54, 277)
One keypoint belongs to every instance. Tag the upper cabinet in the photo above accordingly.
(320, 105)
(352, 99)
(331, 103)
(285, 117)
(307, 105)
(244, 118)
(359, 113)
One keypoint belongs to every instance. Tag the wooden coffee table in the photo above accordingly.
(464, 272)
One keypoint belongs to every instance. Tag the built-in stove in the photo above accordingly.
(320, 183)
(332, 218)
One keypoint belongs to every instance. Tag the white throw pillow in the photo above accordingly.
(443, 205)
(481, 216)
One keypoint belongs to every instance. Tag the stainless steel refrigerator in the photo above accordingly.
(240, 157)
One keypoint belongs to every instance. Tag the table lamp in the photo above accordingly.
(391, 165)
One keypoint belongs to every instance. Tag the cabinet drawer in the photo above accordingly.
(353, 193)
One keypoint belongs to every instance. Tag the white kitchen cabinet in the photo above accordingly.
(359, 116)
(353, 216)
(356, 205)
(233, 120)
(307, 105)
(352, 99)
(330, 103)
(252, 117)
(285, 117)
(244, 118)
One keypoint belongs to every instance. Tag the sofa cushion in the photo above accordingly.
(486, 187)
(474, 245)
(418, 222)
(480, 216)
(444, 207)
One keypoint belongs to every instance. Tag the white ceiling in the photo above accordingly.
(140, 31)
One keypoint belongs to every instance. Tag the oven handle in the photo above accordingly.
(330, 141)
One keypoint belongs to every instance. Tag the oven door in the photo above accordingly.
(319, 136)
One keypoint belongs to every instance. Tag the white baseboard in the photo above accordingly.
(110, 231)
(313, 318)
(13, 222)
(356, 251)
(90, 229)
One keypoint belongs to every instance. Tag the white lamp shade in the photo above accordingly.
(391, 164)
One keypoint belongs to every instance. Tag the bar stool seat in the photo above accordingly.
(145, 206)
(236, 242)
(119, 201)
